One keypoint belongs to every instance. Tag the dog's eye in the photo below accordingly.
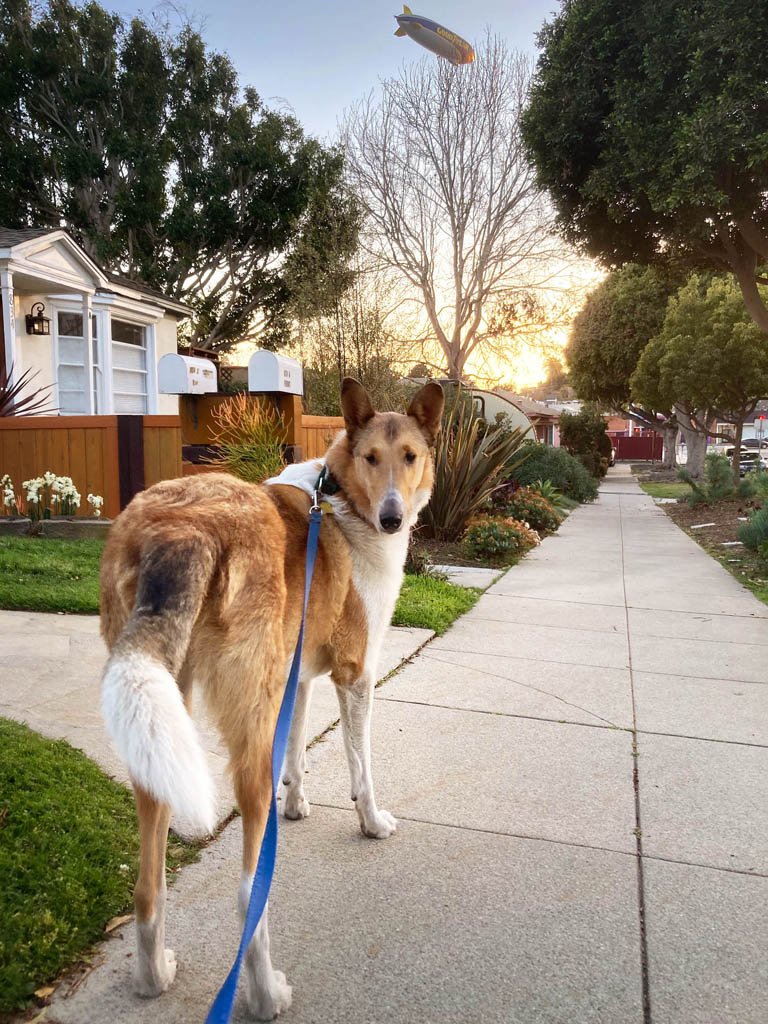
(410, 458)
(371, 460)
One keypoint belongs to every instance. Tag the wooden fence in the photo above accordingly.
(117, 456)
(317, 433)
(114, 456)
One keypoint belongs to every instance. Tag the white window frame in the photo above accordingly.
(104, 307)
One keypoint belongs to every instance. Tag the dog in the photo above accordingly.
(202, 579)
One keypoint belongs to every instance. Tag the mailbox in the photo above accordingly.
(271, 373)
(186, 375)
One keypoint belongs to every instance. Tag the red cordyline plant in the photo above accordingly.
(14, 403)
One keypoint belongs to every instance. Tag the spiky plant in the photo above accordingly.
(471, 460)
(14, 403)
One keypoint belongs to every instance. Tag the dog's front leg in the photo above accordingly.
(293, 802)
(356, 704)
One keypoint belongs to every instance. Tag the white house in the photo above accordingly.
(94, 336)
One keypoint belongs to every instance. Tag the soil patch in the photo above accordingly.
(745, 565)
(725, 515)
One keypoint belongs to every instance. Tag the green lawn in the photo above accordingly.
(665, 490)
(45, 574)
(432, 604)
(68, 858)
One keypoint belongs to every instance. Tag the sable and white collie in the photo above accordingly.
(202, 579)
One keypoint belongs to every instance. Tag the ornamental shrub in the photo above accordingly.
(566, 473)
(754, 533)
(530, 507)
(499, 538)
(718, 484)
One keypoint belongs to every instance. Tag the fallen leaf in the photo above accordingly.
(45, 991)
(117, 921)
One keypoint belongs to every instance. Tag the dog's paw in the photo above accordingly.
(295, 804)
(267, 1003)
(154, 980)
(379, 825)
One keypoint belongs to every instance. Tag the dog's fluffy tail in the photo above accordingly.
(141, 702)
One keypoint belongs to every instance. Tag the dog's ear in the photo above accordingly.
(427, 409)
(355, 404)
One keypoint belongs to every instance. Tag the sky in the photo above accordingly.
(319, 58)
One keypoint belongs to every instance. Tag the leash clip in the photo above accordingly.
(315, 506)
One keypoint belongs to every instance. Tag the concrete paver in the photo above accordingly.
(566, 646)
(526, 858)
(704, 802)
(436, 925)
(531, 688)
(714, 709)
(504, 774)
(707, 935)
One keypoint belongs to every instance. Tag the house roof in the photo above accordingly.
(10, 237)
(533, 410)
(14, 236)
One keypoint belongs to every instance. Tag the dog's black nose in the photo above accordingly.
(391, 522)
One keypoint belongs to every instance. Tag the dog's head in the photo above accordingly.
(384, 461)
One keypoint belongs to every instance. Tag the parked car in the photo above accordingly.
(748, 460)
(756, 443)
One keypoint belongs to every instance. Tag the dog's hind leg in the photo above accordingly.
(293, 802)
(356, 704)
(267, 992)
(155, 965)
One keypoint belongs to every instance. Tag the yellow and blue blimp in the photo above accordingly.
(434, 37)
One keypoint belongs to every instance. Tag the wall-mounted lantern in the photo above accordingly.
(36, 322)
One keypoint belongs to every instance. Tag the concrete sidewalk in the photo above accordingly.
(579, 767)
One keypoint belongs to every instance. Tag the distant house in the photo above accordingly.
(545, 418)
(94, 336)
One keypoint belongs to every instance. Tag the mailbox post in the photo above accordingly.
(281, 377)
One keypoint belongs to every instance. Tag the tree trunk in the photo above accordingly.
(736, 461)
(696, 445)
(669, 455)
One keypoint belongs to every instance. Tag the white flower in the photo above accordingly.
(49, 478)
(96, 501)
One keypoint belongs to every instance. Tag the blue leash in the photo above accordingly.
(222, 1005)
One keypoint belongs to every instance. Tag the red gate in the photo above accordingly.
(640, 448)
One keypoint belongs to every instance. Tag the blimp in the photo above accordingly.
(434, 37)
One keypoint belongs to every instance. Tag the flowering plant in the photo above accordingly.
(96, 501)
(496, 537)
(10, 501)
(45, 495)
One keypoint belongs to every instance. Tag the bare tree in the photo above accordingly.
(451, 200)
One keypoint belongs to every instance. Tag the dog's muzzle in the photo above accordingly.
(391, 514)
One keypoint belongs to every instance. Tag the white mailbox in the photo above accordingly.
(267, 371)
(186, 375)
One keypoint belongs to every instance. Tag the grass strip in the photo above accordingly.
(69, 845)
(49, 574)
(431, 603)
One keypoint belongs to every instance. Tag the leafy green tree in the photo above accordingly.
(710, 357)
(608, 336)
(141, 144)
(648, 125)
(583, 434)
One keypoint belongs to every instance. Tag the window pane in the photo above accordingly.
(130, 403)
(72, 350)
(128, 358)
(128, 334)
(71, 402)
(94, 326)
(71, 325)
